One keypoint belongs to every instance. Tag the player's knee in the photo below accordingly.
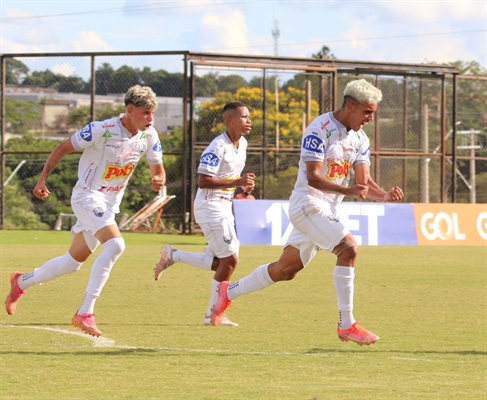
(348, 247)
(287, 272)
(115, 246)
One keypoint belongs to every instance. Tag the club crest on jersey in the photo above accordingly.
(314, 144)
(98, 212)
(117, 171)
(227, 239)
(338, 170)
(157, 147)
(85, 133)
(210, 159)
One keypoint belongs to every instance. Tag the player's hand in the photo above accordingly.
(157, 183)
(360, 191)
(247, 182)
(41, 191)
(394, 194)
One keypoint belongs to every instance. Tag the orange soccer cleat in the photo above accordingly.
(357, 334)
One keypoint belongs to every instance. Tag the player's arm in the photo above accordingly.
(158, 176)
(247, 181)
(362, 176)
(320, 182)
(40, 190)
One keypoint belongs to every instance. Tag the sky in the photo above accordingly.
(397, 31)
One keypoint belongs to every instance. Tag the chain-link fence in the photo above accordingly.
(429, 120)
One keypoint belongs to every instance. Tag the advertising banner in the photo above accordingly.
(451, 224)
(266, 222)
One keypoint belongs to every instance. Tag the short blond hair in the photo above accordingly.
(141, 96)
(362, 91)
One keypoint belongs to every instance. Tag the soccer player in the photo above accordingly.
(332, 145)
(218, 177)
(111, 151)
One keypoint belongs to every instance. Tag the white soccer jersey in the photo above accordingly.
(328, 141)
(223, 160)
(109, 158)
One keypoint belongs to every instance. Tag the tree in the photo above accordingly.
(324, 53)
(21, 115)
(16, 71)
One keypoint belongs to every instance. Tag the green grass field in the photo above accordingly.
(428, 305)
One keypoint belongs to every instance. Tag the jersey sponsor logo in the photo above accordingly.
(210, 159)
(338, 170)
(157, 147)
(107, 134)
(115, 171)
(314, 144)
(112, 188)
(85, 133)
(108, 126)
(324, 124)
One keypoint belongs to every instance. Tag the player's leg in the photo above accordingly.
(223, 243)
(326, 230)
(98, 229)
(68, 263)
(299, 251)
(171, 255)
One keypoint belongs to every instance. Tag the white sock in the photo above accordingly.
(112, 250)
(50, 270)
(343, 280)
(214, 295)
(198, 260)
(258, 279)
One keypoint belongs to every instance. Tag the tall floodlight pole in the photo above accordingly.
(275, 34)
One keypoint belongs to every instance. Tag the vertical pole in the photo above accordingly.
(92, 89)
(308, 102)
(188, 149)
(278, 134)
(473, 189)
(264, 169)
(443, 141)
(3, 67)
(405, 100)
(454, 140)
(377, 139)
(425, 198)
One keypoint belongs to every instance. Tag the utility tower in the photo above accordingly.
(275, 34)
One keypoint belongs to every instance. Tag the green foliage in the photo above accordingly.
(20, 213)
(292, 104)
(16, 71)
(280, 187)
(21, 116)
(324, 53)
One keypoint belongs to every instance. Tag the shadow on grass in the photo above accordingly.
(417, 352)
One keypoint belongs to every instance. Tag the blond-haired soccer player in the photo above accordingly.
(219, 172)
(111, 151)
(332, 145)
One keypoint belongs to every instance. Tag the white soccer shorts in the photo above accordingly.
(221, 236)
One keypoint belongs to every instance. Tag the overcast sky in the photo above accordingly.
(413, 31)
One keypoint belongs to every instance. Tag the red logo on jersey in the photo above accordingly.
(114, 171)
(338, 170)
(323, 125)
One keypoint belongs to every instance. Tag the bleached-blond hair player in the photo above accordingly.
(333, 144)
(219, 172)
(111, 151)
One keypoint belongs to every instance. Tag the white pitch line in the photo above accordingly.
(106, 342)
(97, 341)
